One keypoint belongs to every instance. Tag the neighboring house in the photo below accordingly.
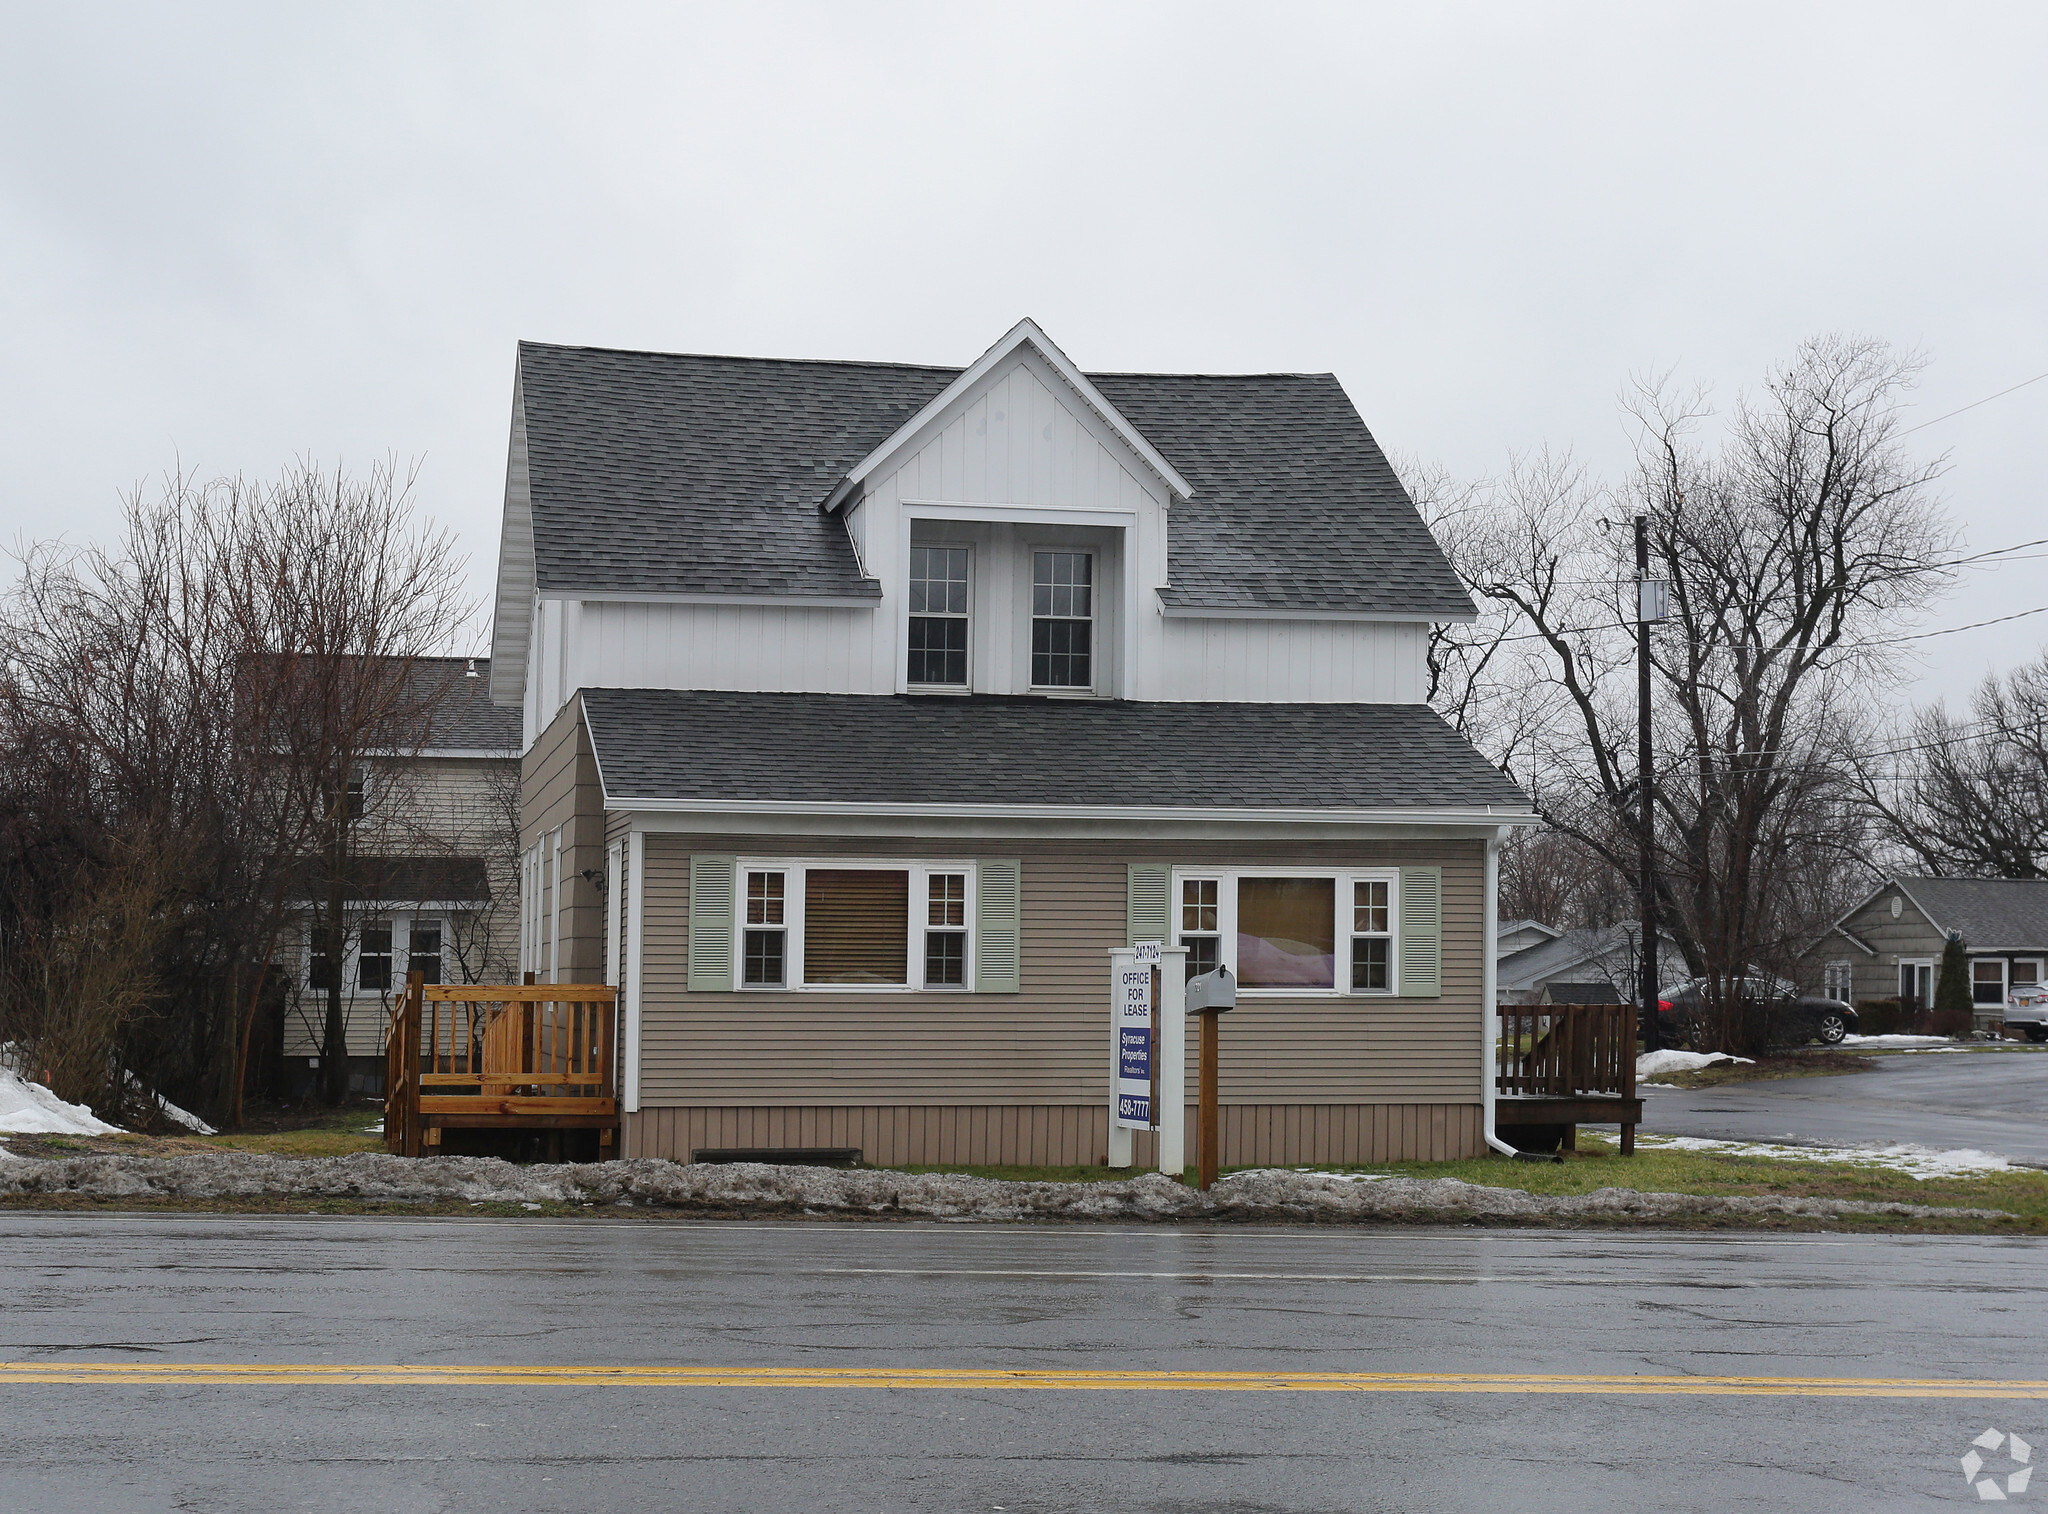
(867, 706)
(1890, 945)
(434, 876)
(1604, 954)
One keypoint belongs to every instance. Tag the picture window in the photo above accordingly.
(1292, 931)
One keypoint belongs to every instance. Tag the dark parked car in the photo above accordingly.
(1794, 1018)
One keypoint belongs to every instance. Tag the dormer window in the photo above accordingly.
(938, 616)
(1062, 620)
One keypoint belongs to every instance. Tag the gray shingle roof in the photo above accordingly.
(657, 472)
(1022, 751)
(1295, 505)
(677, 473)
(1987, 912)
(463, 717)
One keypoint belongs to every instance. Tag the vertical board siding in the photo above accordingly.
(1062, 1135)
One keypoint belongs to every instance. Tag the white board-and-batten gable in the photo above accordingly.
(1021, 426)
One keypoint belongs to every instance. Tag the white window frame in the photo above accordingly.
(1916, 963)
(2004, 982)
(412, 923)
(1226, 879)
(793, 870)
(2037, 963)
(966, 685)
(1094, 618)
(1842, 971)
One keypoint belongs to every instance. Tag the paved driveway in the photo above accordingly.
(1990, 1101)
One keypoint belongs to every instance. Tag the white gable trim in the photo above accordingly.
(512, 616)
(1025, 333)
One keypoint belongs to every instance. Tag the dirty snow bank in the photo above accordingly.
(753, 1188)
(1654, 1064)
(1897, 1041)
(31, 1109)
(1920, 1162)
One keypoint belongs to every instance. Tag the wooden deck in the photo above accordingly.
(501, 1056)
(1567, 1065)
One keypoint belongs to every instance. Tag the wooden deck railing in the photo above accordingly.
(1566, 1050)
(508, 1055)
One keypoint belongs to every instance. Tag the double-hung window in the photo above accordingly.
(1062, 620)
(423, 951)
(764, 939)
(373, 957)
(826, 925)
(1293, 930)
(1987, 980)
(938, 616)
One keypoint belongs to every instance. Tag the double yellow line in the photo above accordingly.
(970, 1379)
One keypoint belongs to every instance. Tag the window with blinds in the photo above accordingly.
(804, 925)
(856, 925)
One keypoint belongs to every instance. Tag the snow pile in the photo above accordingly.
(1897, 1041)
(747, 1188)
(31, 1109)
(1919, 1162)
(178, 1116)
(1655, 1064)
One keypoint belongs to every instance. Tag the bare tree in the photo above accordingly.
(180, 718)
(1793, 547)
(1969, 798)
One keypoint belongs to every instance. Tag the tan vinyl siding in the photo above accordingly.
(1048, 1045)
(559, 790)
(1065, 1135)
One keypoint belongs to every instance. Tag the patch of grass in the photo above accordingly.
(1599, 1164)
(1783, 1064)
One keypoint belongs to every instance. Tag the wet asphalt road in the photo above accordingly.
(1989, 1101)
(205, 1289)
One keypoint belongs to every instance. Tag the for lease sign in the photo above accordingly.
(1134, 1037)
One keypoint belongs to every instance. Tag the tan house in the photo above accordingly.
(867, 706)
(434, 884)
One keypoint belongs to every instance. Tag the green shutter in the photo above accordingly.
(998, 925)
(1422, 932)
(1145, 912)
(711, 911)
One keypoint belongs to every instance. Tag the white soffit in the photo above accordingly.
(1025, 332)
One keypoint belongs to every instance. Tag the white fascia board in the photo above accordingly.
(659, 597)
(1038, 515)
(1199, 813)
(1243, 612)
(399, 906)
(398, 755)
(512, 613)
(1024, 332)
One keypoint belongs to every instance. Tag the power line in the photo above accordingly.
(1974, 404)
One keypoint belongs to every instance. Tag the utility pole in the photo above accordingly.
(1652, 604)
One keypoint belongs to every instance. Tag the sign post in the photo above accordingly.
(1148, 1053)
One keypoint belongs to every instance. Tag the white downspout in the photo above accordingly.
(1489, 992)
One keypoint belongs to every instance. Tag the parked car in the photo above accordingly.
(1794, 1017)
(2026, 1010)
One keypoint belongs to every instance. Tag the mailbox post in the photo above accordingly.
(1210, 995)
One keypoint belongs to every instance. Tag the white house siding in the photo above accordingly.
(1292, 661)
(1021, 440)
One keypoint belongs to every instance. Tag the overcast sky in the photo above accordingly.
(230, 235)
